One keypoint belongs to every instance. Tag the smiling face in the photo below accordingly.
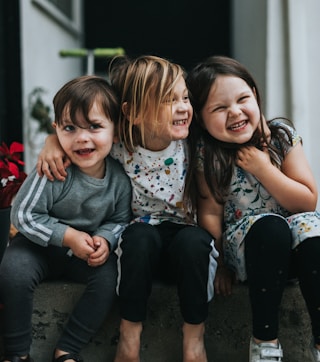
(87, 143)
(173, 121)
(231, 113)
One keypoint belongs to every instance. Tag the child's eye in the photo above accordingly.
(244, 98)
(69, 128)
(218, 109)
(94, 126)
(173, 100)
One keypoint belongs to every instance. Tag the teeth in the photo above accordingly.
(238, 125)
(180, 122)
(85, 151)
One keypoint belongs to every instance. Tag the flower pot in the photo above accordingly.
(4, 229)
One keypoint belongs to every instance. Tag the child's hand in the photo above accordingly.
(101, 253)
(80, 243)
(52, 161)
(224, 280)
(253, 160)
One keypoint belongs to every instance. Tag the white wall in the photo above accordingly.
(306, 71)
(278, 42)
(42, 38)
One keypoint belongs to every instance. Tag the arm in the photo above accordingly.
(210, 217)
(293, 186)
(52, 160)
(115, 225)
(107, 235)
(30, 211)
(117, 204)
(31, 215)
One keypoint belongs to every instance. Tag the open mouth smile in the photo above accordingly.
(84, 151)
(238, 126)
(181, 122)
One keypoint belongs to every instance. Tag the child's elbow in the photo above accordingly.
(310, 204)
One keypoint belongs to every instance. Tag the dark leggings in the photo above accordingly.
(179, 254)
(268, 260)
(306, 259)
(24, 266)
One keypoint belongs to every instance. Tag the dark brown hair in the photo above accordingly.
(79, 94)
(219, 157)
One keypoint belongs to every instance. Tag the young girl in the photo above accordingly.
(257, 193)
(69, 229)
(156, 114)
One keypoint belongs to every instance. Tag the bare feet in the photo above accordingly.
(59, 352)
(128, 349)
(258, 341)
(193, 343)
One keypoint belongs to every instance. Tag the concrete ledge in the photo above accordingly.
(228, 328)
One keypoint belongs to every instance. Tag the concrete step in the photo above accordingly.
(228, 327)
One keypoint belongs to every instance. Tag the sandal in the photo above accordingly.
(64, 357)
(265, 352)
(314, 352)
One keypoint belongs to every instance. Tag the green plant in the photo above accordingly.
(40, 111)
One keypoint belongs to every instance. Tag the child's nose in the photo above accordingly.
(183, 106)
(234, 111)
(82, 135)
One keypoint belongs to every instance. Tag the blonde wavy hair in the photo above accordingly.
(143, 84)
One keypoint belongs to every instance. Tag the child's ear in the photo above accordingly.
(126, 111)
(254, 91)
(125, 108)
(116, 139)
(54, 125)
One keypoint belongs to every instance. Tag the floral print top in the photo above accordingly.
(157, 180)
(248, 201)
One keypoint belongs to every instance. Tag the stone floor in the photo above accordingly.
(227, 328)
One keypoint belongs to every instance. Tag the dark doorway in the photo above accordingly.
(10, 74)
(183, 31)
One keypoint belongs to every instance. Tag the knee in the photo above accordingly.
(139, 239)
(270, 233)
(193, 242)
(17, 271)
(104, 277)
(14, 278)
(306, 254)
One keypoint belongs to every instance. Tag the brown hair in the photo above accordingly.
(80, 93)
(219, 157)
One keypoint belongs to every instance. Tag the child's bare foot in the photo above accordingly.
(71, 356)
(193, 343)
(128, 349)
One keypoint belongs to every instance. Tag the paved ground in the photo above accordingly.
(227, 330)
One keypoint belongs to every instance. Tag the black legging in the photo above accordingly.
(306, 259)
(267, 253)
(183, 253)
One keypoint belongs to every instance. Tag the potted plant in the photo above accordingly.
(11, 179)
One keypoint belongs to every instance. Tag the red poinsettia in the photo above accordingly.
(11, 175)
